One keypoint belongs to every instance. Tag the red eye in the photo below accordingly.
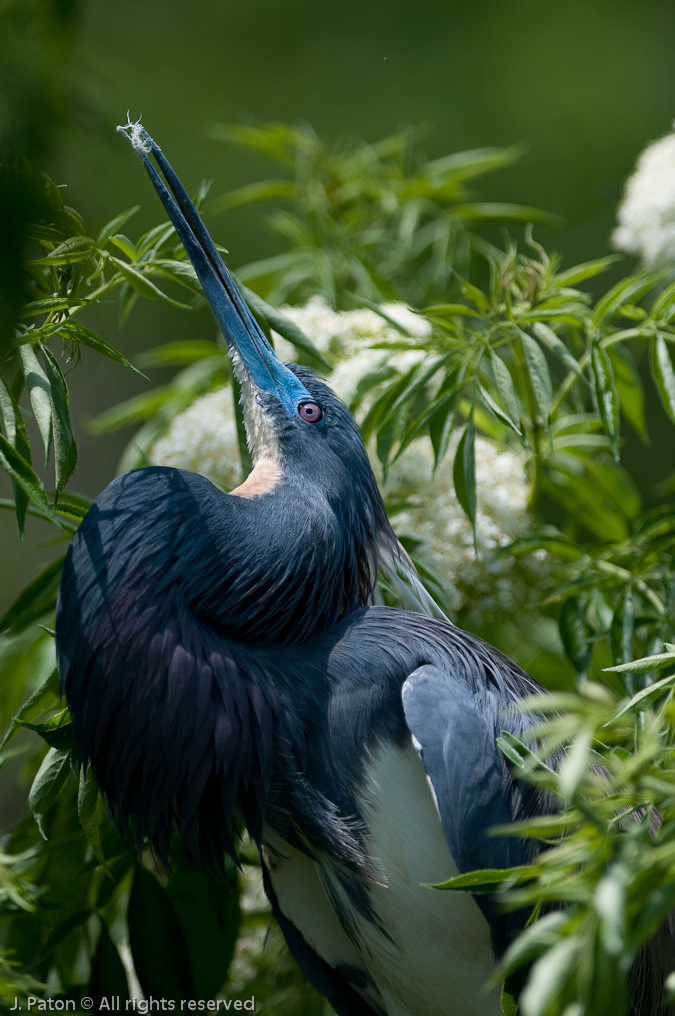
(310, 412)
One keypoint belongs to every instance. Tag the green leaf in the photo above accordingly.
(610, 905)
(509, 1002)
(35, 600)
(575, 764)
(142, 285)
(39, 391)
(534, 940)
(629, 388)
(42, 698)
(124, 244)
(663, 373)
(497, 410)
(605, 395)
(539, 375)
(506, 389)
(441, 423)
(25, 476)
(491, 211)
(585, 271)
(13, 427)
(92, 814)
(65, 445)
(464, 472)
(115, 225)
(262, 190)
(181, 272)
(575, 633)
(644, 698)
(48, 306)
(50, 780)
(549, 977)
(475, 295)
(448, 310)
(72, 250)
(177, 354)
(157, 942)
(556, 346)
(78, 333)
(646, 663)
(523, 758)
(57, 732)
(627, 291)
(488, 880)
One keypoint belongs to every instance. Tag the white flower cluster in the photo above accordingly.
(485, 584)
(646, 215)
(204, 439)
(347, 336)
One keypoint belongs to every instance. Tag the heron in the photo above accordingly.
(224, 663)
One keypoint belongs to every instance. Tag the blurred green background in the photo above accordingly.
(584, 85)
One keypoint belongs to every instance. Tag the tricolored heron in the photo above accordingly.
(220, 657)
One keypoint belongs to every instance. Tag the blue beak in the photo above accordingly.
(241, 330)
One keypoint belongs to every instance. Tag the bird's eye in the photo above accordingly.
(310, 412)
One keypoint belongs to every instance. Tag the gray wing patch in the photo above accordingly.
(454, 731)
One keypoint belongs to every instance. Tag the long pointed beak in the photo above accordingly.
(241, 330)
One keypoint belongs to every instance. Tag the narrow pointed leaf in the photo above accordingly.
(42, 698)
(115, 225)
(464, 472)
(495, 408)
(664, 375)
(72, 250)
(487, 880)
(50, 780)
(12, 426)
(549, 976)
(142, 285)
(91, 813)
(78, 333)
(524, 758)
(605, 394)
(585, 270)
(39, 392)
(57, 732)
(35, 600)
(539, 374)
(65, 445)
(47, 306)
(25, 476)
(124, 244)
(557, 347)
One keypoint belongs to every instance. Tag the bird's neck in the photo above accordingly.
(284, 561)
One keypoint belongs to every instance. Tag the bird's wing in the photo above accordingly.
(455, 732)
(330, 983)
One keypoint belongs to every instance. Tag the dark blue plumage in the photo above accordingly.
(222, 663)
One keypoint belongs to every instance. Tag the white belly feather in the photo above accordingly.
(438, 956)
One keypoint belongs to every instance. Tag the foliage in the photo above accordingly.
(35, 38)
(375, 221)
(528, 360)
(609, 856)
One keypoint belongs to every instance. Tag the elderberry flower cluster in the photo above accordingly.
(485, 584)
(646, 215)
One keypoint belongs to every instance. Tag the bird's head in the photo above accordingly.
(294, 422)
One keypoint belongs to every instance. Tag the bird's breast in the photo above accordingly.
(421, 951)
